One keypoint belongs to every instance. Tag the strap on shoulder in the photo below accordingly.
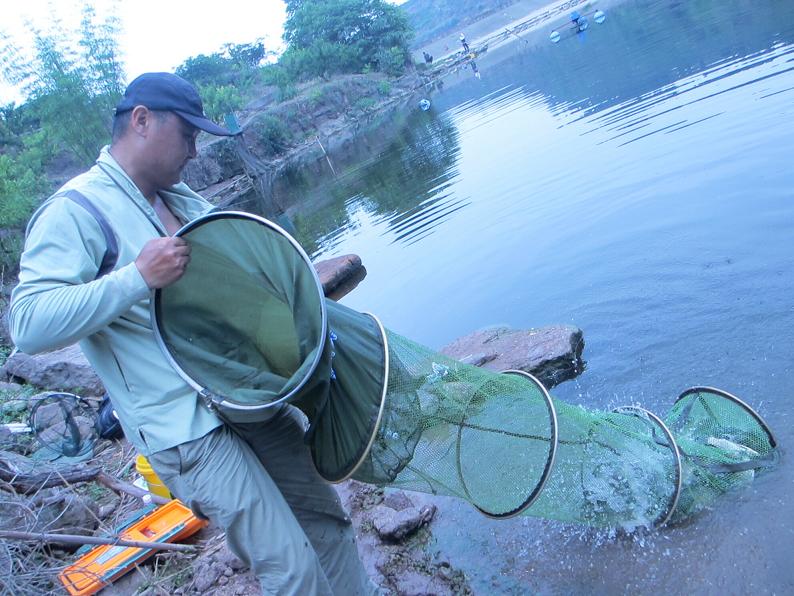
(111, 246)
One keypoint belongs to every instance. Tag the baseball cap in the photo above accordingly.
(167, 91)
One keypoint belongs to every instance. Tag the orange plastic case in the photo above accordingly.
(103, 564)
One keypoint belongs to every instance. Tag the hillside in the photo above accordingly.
(433, 18)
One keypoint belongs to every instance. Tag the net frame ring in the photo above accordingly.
(550, 460)
(742, 404)
(639, 412)
(220, 401)
(79, 404)
(381, 407)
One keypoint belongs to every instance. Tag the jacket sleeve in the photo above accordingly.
(58, 302)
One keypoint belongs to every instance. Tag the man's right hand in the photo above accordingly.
(162, 261)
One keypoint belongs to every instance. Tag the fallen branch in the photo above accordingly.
(120, 486)
(18, 471)
(28, 477)
(75, 539)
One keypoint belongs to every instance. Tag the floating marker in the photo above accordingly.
(599, 16)
(583, 24)
(555, 36)
(424, 104)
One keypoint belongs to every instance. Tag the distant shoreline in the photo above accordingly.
(523, 16)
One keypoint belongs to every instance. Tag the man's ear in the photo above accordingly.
(141, 120)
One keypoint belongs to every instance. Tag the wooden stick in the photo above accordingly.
(120, 486)
(75, 539)
(16, 470)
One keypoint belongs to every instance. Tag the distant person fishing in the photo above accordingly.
(464, 43)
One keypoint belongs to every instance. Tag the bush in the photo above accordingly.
(384, 87)
(344, 36)
(220, 100)
(364, 104)
(72, 82)
(392, 60)
(273, 135)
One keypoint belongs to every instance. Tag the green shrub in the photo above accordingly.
(364, 104)
(392, 60)
(274, 137)
(220, 100)
(11, 244)
(384, 87)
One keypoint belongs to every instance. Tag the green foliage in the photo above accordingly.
(15, 121)
(11, 244)
(220, 99)
(72, 82)
(273, 135)
(325, 37)
(364, 104)
(204, 70)
(235, 64)
(391, 60)
(13, 403)
(22, 179)
(384, 87)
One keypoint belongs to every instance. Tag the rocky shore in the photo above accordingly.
(394, 528)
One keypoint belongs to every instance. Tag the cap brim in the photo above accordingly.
(206, 125)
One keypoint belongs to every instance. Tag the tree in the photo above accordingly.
(331, 36)
(234, 64)
(72, 82)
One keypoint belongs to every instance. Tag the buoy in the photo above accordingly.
(555, 36)
(599, 16)
(424, 104)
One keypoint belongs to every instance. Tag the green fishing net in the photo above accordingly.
(248, 326)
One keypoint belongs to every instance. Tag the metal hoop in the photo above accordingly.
(553, 440)
(642, 412)
(729, 396)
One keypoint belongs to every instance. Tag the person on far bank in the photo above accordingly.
(255, 481)
(464, 43)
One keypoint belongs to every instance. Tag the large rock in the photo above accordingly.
(340, 274)
(62, 370)
(395, 525)
(553, 354)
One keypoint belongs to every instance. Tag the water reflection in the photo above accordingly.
(634, 182)
(406, 187)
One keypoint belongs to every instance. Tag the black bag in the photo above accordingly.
(109, 426)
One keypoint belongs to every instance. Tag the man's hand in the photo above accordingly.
(162, 261)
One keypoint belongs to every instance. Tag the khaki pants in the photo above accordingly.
(258, 483)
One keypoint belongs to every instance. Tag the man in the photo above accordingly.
(255, 481)
(464, 43)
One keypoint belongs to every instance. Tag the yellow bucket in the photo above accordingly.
(154, 483)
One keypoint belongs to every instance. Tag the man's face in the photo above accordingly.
(171, 144)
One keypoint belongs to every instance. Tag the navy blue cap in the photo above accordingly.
(170, 92)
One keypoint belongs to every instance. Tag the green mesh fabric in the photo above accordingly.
(248, 323)
(246, 318)
(723, 445)
(455, 429)
(613, 469)
(343, 421)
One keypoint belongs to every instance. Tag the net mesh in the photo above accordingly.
(723, 445)
(454, 429)
(65, 425)
(500, 442)
(248, 324)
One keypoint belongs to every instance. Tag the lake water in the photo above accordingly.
(635, 181)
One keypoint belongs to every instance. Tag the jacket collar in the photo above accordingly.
(185, 203)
